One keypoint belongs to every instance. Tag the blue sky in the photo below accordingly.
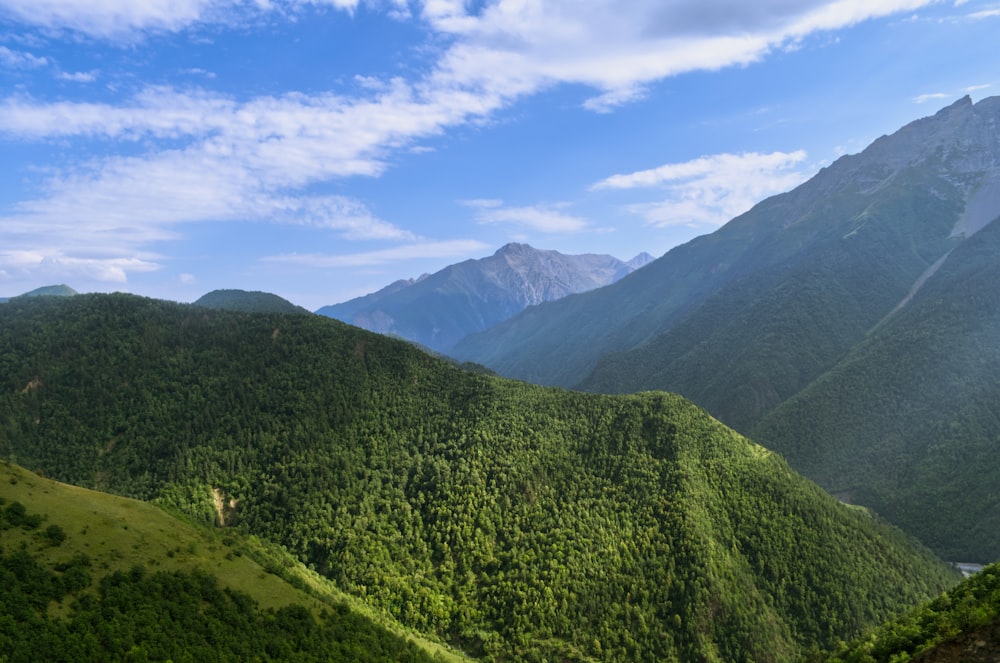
(321, 149)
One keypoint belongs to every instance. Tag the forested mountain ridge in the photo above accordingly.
(437, 310)
(514, 521)
(787, 324)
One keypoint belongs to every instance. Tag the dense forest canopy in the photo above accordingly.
(960, 626)
(515, 521)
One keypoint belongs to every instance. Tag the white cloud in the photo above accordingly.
(482, 203)
(986, 13)
(56, 266)
(931, 96)
(79, 76)
(20, 60)
(514, 46)
(110, 18)
(710, 190)
(198, 71)
(543, 218)
(235, 161)
(130, 20)
(417, 250)
(196, 155)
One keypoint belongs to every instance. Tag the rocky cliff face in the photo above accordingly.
(438, 310)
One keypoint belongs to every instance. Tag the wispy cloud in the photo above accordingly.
(930, 96)
(78, 76)
(112, 18)
(938, 96)
(56, 265)
(984, 14)
(541, 218)
(712, 189)
(183, 156)
(11, 59)
(976, 88)
(417, 250)
(619, 48)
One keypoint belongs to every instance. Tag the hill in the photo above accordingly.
(961, 626)
(90, 576)
(776, 308)
(48, 291)
(516, 522)
(439, 309)
(251, 301)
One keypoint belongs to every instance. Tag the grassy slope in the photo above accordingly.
(118, 533)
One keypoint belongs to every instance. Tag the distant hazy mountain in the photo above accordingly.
(251, 301)
(851, 324)
(439, 309)
(46, 290)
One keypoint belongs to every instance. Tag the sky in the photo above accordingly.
(322, 149)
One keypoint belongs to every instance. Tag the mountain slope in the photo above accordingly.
(91, 576)
(961, 626)
(47, 290)
(847, 245)
(907, 421)
(515, 521)
(439, 309)
(827, 323)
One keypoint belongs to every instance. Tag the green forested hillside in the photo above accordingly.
(907, 422)
(86, 576)
(515, 521)
(960, 626)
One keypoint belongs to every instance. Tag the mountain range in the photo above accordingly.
(850, 324)
(437, 310)
(512, 521)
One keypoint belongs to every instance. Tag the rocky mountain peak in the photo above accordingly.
(440, 309)
(963, 136)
